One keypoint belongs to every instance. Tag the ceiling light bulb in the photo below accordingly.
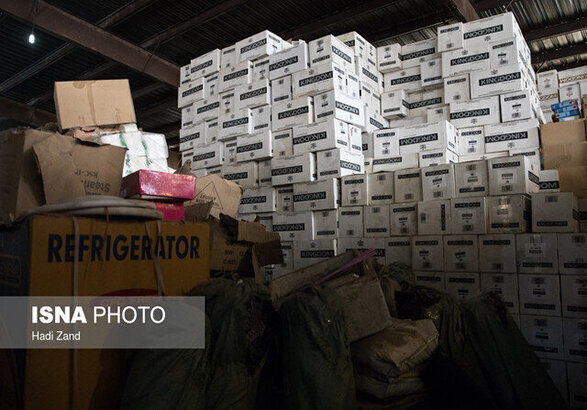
(32, 38)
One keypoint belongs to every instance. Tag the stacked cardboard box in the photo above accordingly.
(557, 87)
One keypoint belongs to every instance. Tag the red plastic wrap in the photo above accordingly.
(172, 211)
(158, 185)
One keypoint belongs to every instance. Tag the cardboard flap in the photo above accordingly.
(58, 170)
(198, 212)
(245, 231)
(225, 195)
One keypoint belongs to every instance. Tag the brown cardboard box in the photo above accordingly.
(573, 179)
(35, 262)
(68, 168)
(225, 195)
(561, 133)
(96, 102)
(558, 156)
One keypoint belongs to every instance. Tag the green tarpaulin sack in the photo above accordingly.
(318, 372)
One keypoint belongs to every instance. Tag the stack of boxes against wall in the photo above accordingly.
(561, 93)
(426, 152)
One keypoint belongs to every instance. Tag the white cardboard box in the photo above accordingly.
(431, 73)
(421, 103)
(206, 156)
(308, 253)
(540, 295)
(437, 157)
(376, 221)
(386, 143)
(404, 219)
(463, 285)
(388, 58)
(533, 154)
(497, 253)
(427, 253)
(287, 265)
(575, 337)
(190, 92)
(394, 104)
(450, 37)
(212, 85)
(436, 114)
(335, 104)
(572, 253)
(544, 334)
(355, 190)
(355, 139)
(294, 169)
(547, 80)
(517, 106)
(255, 200)
(434, 280)
(501, 80)
(185, 75)
(441, 135)
(469, 215)
(337, 163)
(511, 175)
(361, 47)
(326, 224)
(350, 222)
(465, 60)
(434, 218)
(282, 143)
(227, 102)
(555, 212)
(259, 45)
(231, 77)
(363, 244)
(374, 121)
(380, 188)
(281, 89)
(490, 29)
(228, 56)
(229, 151)
(284, 198)
(438, 182)
(574, 295)
(509, 214)
(506, 286)
(549, 180)
(253, 95)
(457, 88)
(408, 185)
(368, 75)
(206, 64)
(245, 174)
(289, 114)
(320, 136)
(261, 118)
(254, 147)
(211, 130)
(187, 116)
(395, 163)
(408, 79)
(398, 250)
(508, 51)
(512, 135)
(315, 196)
(474, 113)
(294, 225)
(471, 179)
(471, 141)
(289, 61)
(319, 79)
(413, 54)
(329, 48)
(537, 253)
(206, 110)
(265, 173)
(191, 137)
(569, 92)
(367, 150)
(235, 124)
(353, 85)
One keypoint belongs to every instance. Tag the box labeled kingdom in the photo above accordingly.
(537, 253)
(380, 188)
(540, 295)
(404, 219)
(282, 143)
(245, 174)
(284, 198)
(491, 29)
(544, 334)
(471, 141)
(434, 218)
(398, 250)
(264, 172)
(229, 152)
(462, 285)
(408, 185)
(256, 200)
(206, 156)
(572, 251)
(450, 37)
(461, 253)
(376, 221)
(289, 114)
(320, 136)
(253, 95)
(388, 58)
(501, 80)
(413, 54)
(281, 89)
(512, 135)
(337, 163)
(574, 295)
(235, 124)
(438, 182)
(408, 79)
(457, 88)
(471, 179)
(555, 212)
(431, 73)
(206, 64)
(254, 147)
(394, 104)
(469, 215)
(508, 213)
(517, 106)
(329, 48)
(474, 113)
(506, 286)
(512, 175)
(386, 143)
(294, 226)
(465, 60)
(427, 253)
(363, 244)
(368, 75)
(319, 79)
(191, 137)
(326, 224)
(497, 253)
(294, 169)
(190, 92)
(549, 180)
(315, 196)
(205, 110)
(437, 157)
(350, 222)
(394, 163)
(335, 104)
(355, 190)
(508, 51)
(289, 61)
(259, 45)
(308, 253)
(231, 77)
(417, 138)
(261, 118)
